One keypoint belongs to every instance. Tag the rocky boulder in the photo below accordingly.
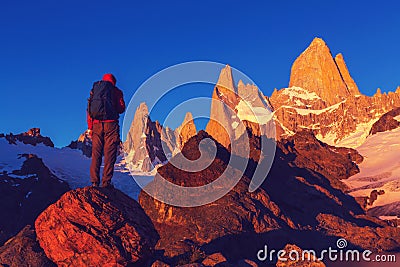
(97, 227)
(24, 250)
(292, 251)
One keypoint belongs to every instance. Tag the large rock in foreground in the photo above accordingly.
(96, 227)
(23, 250)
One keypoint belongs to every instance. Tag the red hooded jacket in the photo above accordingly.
(119, 104)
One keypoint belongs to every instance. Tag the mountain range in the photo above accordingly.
(334, 175)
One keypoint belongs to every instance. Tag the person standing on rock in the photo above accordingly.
(105, 104)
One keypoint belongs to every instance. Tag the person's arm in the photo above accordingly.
(120, 101)
(89, 121)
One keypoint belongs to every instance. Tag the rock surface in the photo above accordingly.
(32, 137)
(239, 211)
(323, 97)
(185, 131)
(24, 250)
(97, 227)
(350, 83)
(235, 108)
(25, 193)
(335, 163)
(316, 71)
(149, 144)
(214, 259)
(307, 262)
(387, 122)
(302, 188)
(143, 145)
(83, 143)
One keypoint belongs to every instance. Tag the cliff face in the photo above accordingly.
(185, 131)
(149, 144)
(83, 143)
(236, 108)
(323, 97)
(316, 71)
(351, 85)
(387, 122)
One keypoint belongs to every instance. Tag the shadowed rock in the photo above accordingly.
(300, 201)
(31, 137)
(387, 122)
(23, 199)
(24, 250)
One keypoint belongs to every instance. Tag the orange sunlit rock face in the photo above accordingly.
(95, 227)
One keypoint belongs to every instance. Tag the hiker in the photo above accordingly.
(105, 104)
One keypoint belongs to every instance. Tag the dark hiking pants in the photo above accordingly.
(105, 140)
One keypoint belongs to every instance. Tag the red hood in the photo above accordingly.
(109, 78)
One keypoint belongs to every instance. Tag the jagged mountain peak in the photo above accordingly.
(241, 83)
(230, 109)
(318, 41)
(344, 71)
(188, 117)
(150, 143)
(226, 79)
(185, 131)
(322, 96)
(143, 108)
(32, 137)
(316, 71)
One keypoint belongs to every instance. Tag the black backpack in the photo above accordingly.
(101, 101)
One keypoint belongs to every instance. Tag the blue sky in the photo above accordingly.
(52, 51)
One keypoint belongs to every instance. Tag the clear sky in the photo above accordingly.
(52, 51)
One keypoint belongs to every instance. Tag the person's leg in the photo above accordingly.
(111, 143)
(97, 152)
